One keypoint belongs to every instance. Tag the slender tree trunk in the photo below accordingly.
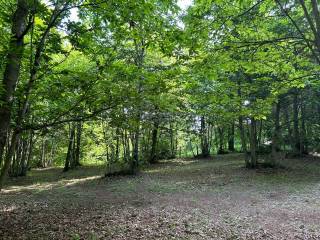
(153, 154)
(204, 138)
(231, 138)
(23, 157)
(136, 139)
(69, 160)
(303, 138)
(253, 143)
(117, 153)
(276, 135)
(14, 169)
(172, 141)
(126, 146)
(296, 134)
(43, 153)
(288, 126)
(73, 148)
(260, 133)
(28, 155)
(243, 142)
(9, 155)
(242, 135)
(52, 151)
(210, 136)
(135, 160)
(78, 144)
(221, 145)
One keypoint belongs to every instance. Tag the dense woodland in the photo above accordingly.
(127, 83)
(130, 118)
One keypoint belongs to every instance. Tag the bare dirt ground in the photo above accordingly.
(178, 199)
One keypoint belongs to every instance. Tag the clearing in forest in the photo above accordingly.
(176, 199)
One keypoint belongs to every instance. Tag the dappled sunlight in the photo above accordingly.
(46, 169)
(196, 187)
(159, 119)
(156, 170)
(79, 180)
(184, 161)
(48, 186)
(8, 209)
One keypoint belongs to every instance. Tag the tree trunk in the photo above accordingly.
(28, 155)
(117, 155)
(78, 144)
(12, 69)
(288, 125)
(276, 135)
(69, 159)
(126, 146)
(9, 155)
(303, 138)
(153, 154)
(172, 142)
(23, 157)
(14, 168)
(242, 135)
(205, 152)
(43, 153)
(231, 138)
(136, 139)
(73, 148)
(135, 160)
(221, 147)
(260, 133)
(296, 134)
(253, 143)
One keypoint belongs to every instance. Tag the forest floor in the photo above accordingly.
(178, 199)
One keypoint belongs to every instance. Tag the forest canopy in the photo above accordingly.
(128, 83)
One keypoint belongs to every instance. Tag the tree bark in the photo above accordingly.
(153, 153)
(78, 144)
(172, 141)
(260, 133)
(242, 135)
(288, 125)
(9, 155)
(231, 138)
(276, 135)
(221, 147)
(303, 138)
(205, 152)
(134, 164)
(28, 155)
(69, 159)
(135, 160)
(12, 69)
(253, 143)
(296, 134)
(43, 153)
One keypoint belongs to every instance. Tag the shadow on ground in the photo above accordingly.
(177, 199)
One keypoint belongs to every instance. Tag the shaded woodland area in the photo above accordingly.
(159, 119)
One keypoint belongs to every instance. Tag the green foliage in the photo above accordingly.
(126, 66)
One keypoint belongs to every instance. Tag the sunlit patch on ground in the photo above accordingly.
(48, 186)
(178, 199)
(8, 209)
